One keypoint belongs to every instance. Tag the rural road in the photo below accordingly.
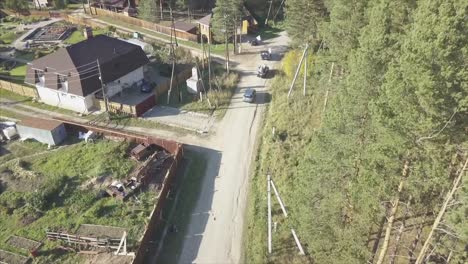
(216, 226)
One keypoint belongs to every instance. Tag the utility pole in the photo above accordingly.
(173, 58)
(297, 70)
(161, 8)
(305, 74)
(226, 44)
(103, 90)
(268, 14)
(269, 212)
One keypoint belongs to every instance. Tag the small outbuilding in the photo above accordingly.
(49, 132)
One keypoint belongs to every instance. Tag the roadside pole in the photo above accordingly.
(269, 213)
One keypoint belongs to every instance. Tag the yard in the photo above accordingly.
(57, 189)
(78, 36)
(223, 86)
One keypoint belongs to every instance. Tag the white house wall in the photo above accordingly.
(115, 87)
(63, 100)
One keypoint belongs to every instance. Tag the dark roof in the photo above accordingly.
(78, 63)
(205, 20)
(183, 26)
(44, 124)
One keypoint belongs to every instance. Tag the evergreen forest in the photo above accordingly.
(370, 158)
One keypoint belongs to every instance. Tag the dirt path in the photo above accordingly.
(216, 226)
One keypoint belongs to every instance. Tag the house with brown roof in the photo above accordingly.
(71, 77)
(249, 25)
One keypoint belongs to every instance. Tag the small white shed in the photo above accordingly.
(49, 132)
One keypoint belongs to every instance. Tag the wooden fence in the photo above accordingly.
(19, 89)
(181, 78)
(144, 24)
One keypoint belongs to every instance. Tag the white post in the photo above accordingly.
(305, 74)
(297, 70)
(269, 214)
(298, 243)
(279, 199)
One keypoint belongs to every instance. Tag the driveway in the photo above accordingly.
(175, 117)
(216, 225)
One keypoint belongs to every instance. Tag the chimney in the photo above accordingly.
(88, 32)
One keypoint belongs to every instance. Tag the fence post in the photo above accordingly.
(11, 87)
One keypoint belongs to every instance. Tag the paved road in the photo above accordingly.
(216, 226)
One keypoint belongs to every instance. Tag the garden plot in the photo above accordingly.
(43, 190)
(23, 243)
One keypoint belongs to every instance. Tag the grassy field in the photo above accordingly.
(276, 155)
(189, 189)
(57, 190)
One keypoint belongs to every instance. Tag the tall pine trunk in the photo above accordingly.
(400, 233)
(393, 212)
(448, 198)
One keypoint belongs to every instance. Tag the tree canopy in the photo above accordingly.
(363, 175)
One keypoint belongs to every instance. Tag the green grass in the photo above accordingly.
(77, 35)
(57, 194)
(8, 37)
(19, 71)
(189, 190)
(10, 114)
(270, 31)
(29, 56)
(275, 155)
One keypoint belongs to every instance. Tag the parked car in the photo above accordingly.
(265, 55)
(249, 95)
(262, 71)
(253, 42)
(146, 87)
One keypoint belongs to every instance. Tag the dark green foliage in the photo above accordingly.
(149, 10)
(397, 93)
(226, 17)
(303, 18)
(60, 4)
(17, 5)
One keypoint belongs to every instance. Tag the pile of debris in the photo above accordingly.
(144, 174)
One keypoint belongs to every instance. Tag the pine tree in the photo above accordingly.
(17, 5)
(304, 18)
(149, 10)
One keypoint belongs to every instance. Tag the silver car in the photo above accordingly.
(249, 95)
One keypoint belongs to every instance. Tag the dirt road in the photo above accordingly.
(216, 226)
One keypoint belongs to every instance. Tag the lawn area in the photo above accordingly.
(189, 190)
(19, 72)
(54, 190)
(10, 114)
(78, 36)
(7, 37)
